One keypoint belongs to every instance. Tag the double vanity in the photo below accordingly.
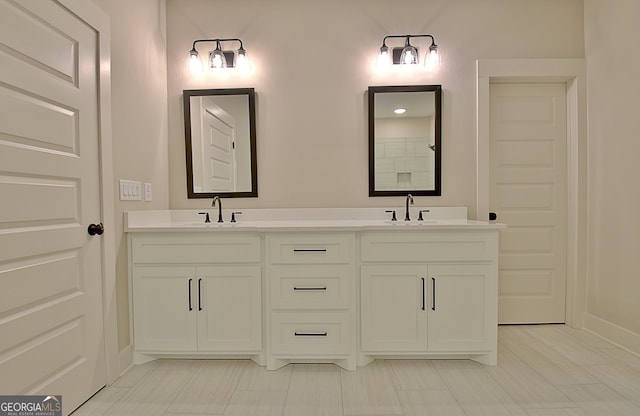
(344, 286)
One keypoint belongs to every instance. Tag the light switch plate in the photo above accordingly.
(130, 190)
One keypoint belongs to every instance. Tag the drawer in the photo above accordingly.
(310, 333)
(311, 248)
(429, 246)
(311, 287)
(221, 248)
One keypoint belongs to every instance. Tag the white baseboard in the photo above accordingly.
(620, 336)
(126, 358)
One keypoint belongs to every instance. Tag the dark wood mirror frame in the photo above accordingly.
(250, 93)
(375, 91)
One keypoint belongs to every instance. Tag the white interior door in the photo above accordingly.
(51, 323)
(528, 191)
(219, 152)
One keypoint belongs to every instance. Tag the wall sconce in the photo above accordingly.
(219, 58)
(408, 54)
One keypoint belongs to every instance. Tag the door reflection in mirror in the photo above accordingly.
(220, 142)
(404, 140)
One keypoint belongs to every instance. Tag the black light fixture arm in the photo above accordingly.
(193, 47)
(407, 37)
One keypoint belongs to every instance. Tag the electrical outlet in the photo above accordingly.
(147, 192)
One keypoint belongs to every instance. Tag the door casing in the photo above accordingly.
(573, 73)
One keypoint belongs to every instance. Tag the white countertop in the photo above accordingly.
(303, 219)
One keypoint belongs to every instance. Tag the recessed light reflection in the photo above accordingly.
(400, 110)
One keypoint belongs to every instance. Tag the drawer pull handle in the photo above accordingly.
(189, 292)
(296, 288)
(309, 250)
(310, 334)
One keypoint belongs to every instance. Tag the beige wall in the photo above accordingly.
(613, 65)
(139, 114)
(313, 62)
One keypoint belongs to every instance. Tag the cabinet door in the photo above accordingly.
(229, 308)
(163, 318)
(461, 305)
(392, 314)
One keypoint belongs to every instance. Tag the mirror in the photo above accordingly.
(220, 142)
(404, 140)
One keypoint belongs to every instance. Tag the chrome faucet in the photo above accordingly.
(406, 212)
(213, 204)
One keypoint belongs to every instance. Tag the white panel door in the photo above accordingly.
(51, 325)
(528, 129)
(218, 154)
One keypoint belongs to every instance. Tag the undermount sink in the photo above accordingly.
(415, 222)
(206, 224)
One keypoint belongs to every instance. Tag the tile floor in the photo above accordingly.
(543, 370)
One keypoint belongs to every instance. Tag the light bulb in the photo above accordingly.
(432, 60)
(408, 58)
(243, 60)
(194, 63)
(409, 55)
(217, 59)
(384, 58)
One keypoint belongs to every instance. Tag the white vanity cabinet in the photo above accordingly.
(311, 301)
(429, 294)
(196, 295)
(342, 286)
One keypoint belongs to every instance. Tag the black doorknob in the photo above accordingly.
(493, 216)
(94, 229)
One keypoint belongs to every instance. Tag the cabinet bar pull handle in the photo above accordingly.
(309, 250)
(199, 290)
(423, 294)
(301, 288)
(189, 292)
(310, 334)
(433, 293)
